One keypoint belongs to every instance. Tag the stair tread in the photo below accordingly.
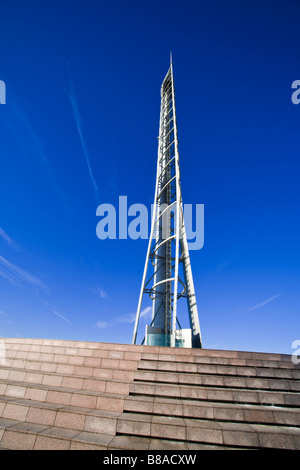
(15, 383)
(59, 407)
(76, 395)
(208, 424)
(217, 369)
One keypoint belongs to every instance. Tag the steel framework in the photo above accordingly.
(168, 247)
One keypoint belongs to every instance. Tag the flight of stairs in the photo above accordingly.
(65, 395)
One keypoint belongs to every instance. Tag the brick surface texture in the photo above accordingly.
(65, 395)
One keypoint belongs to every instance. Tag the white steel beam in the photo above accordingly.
(167, 246)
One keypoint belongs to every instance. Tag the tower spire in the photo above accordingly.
(168, 248)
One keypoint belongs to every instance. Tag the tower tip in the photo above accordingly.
(170, 57)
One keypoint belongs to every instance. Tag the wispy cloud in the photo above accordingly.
(127, 318)
(8, 239)
(61, 316)
(5, 237)
(77, 116)
(101, 292)
(130, 317)
(261, 304)
(30, 143)
(19, 276)
(101, 324)
(146, 312)
(26, 136)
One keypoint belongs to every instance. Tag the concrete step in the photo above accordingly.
(30, 436)
(213, 369)
(128, 442)
(248, 413)
(135, 352)
(209, 432)
(216, 394)
(97, 382)
(234, 381)
(79, 395)
(76, 430)
(73, 364)
(105, 370)
(26, 436)
(215, 357)
(62, 396)
(50, 414)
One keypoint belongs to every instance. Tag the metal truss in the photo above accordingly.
(168, 248)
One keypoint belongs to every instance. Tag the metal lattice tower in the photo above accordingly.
(168, 247)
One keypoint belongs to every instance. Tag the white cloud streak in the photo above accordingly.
(31, 145)
(77, 116)
(265, 302)
(19, 276)
(130, 317)
(101, 324)
(101, 292)
(24, 132)
(8, 239)
(61, 316)
(5, 237)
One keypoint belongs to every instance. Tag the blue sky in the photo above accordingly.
(79, 128)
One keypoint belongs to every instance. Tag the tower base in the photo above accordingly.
(155, 337)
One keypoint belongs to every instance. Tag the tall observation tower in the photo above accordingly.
(168, 252)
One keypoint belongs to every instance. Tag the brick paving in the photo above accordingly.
(81, 395)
